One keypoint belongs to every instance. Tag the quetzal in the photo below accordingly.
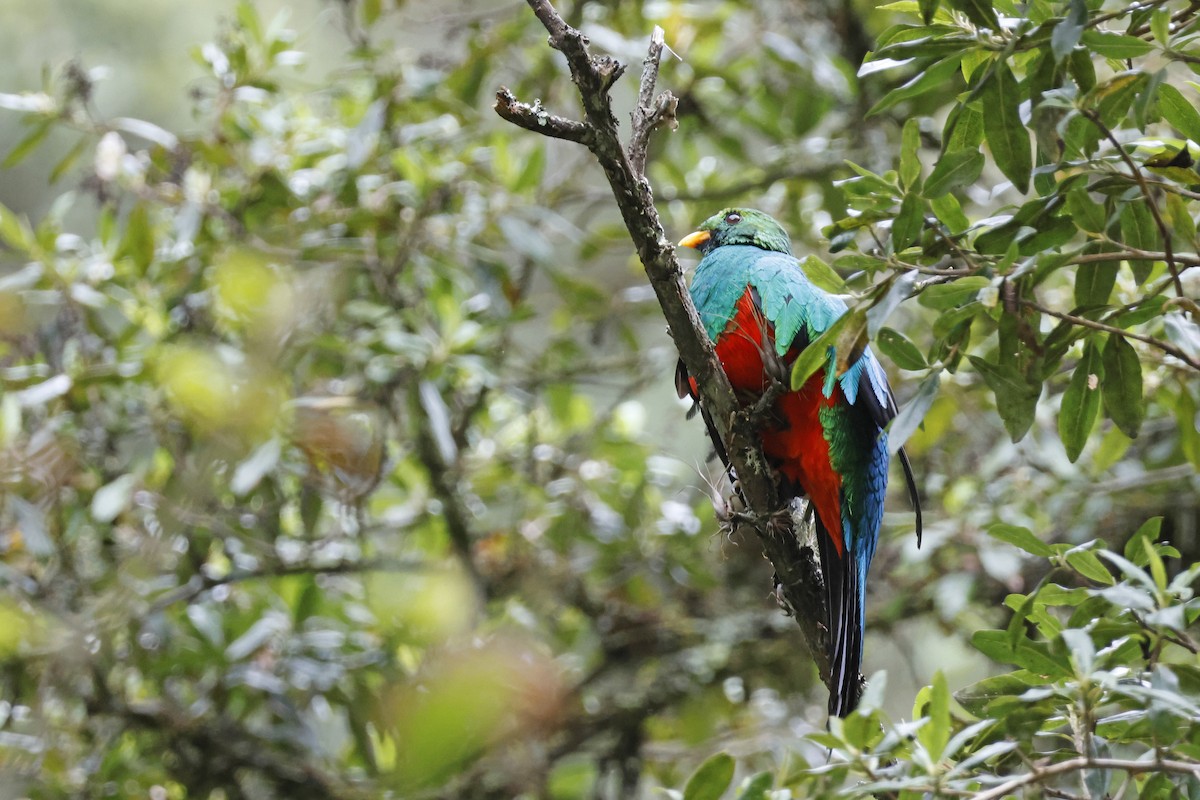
(826, 441)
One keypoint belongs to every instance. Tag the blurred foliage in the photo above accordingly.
(338, 449)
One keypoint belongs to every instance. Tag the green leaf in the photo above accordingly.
(954, 169)
(841, 343)
(897, 347)
(1178, 215)
(949, 321)
(910, 160)
(1185, 418)
(1081, 647)
(928, 9)
(822, 275)
(963, 129)
(1016, 396)
(1094, 283)
(1051, 594)
(756, 788)
(66, 162)
(15, 231)
(1150, 530)
(27, 145)
(909, 221)
(1066, 33)
(936, 732)
(247, 17)
(1160, 25)
(1122, 385)
(882, 308)
(531, 173)
(1033, 656)
(978, 696)
(853, 262)
(1081, 401)
(1157, 569)
(1086, 213)
(711, 779)
(979, 12)
(371, 10)
(873, 183)
(1002, 128)
(1139, 230)
(934, 77)
(1116, 45)
(138, 242)
(1179, 112)
(942, 296)
(1112, 448)
(1113, 97)
(1021, 612)
(914, 411)
(948, 211)
(1020, 537)
(1087, 564)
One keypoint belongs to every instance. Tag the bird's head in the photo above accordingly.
(739, 226)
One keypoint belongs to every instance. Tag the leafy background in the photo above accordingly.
(339, 448)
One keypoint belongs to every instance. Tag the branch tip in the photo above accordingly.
(537, 119)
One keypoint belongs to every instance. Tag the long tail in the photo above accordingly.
(844, 592)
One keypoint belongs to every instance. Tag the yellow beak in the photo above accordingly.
(695, 239)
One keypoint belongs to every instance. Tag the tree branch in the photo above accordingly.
(1083, 322)
(201, 583)
(650, 111)
(797, 576)
(1076, 764)
(1164, 230)
(537, 119)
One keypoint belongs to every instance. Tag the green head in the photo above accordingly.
(739, 226)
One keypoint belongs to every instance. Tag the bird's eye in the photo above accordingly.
(733, 218)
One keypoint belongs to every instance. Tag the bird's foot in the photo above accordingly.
(781, 597)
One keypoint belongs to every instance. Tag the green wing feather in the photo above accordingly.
(790, 301)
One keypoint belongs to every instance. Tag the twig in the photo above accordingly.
(794, 564)
(1083, 322)
(1176, 18)
(1134, 254)
(1096, 21)
(201, 583)
(1163, 229)
(650, 112)
(442, 479)
(537, 119)
(1040, 774)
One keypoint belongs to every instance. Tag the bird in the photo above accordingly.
(826, 442)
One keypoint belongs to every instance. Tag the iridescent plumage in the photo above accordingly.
(827, 441)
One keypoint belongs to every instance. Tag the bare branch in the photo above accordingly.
(537, 119)
(1127, 253)
(650, 112)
